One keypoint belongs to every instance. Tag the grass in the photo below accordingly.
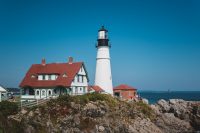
(65, 100)
(145, 109)
(8, 108)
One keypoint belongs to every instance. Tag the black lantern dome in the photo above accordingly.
(103, 37)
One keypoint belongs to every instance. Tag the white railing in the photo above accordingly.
(28, 101)
(35, 102)
(27, 96)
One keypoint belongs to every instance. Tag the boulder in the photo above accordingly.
(31, 114)
(101, 129)
(146, 101)
(164, 105)
(171, 124)
(145, 126)
(23, 111)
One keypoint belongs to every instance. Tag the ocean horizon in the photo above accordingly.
(154, 96)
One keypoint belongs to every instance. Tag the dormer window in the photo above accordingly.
(47, 77)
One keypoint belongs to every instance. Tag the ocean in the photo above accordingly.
(154, 96)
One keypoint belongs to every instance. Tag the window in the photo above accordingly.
(38, 92)
(80, 78)
(40, 77)
(80, 88)
(49, 92)
(55, 91)
(76, 90)
(83, 89)
(43, 77)
(49, 77)
(43, 93)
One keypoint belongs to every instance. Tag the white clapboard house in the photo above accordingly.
(3, 93)
(49, 80)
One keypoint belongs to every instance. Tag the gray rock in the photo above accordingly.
(171, 124)
(77, 119)
(164, 105)
(101, 129)
(31, 114)
(23, 111)
(146, 101)
(29, 129)
(131, 129)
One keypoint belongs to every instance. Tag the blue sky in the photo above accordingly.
(155, 44)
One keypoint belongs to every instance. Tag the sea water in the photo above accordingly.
(154, 96)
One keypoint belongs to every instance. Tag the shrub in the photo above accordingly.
(102, 97)
(145, 109)
(8, 108)
(65, 100)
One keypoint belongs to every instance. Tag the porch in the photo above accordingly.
(31, 94)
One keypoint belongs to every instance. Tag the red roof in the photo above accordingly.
(95, 88)
(70, 69)
(124, 87)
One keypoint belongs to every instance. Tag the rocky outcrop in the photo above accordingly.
(173, 116)
(177, 114)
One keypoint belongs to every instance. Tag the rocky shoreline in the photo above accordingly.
(177, 114)
(173, 116)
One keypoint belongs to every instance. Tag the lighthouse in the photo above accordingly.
(103, 76)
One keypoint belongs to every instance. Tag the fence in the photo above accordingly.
(35, 102)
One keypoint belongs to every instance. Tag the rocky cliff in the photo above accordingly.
(95, 113)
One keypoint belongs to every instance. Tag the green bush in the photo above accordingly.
(145, 109)
(8, 108)
(83, 99)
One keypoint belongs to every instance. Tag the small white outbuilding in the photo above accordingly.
(3, 93)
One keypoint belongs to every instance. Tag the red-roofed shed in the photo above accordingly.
(125, 92)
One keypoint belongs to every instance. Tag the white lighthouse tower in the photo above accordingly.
(103, 76)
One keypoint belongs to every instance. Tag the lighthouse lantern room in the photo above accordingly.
(103, 76)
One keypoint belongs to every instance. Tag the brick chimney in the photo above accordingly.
(43, 62)
(70, 60)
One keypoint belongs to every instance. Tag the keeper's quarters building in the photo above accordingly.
(49, 80)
